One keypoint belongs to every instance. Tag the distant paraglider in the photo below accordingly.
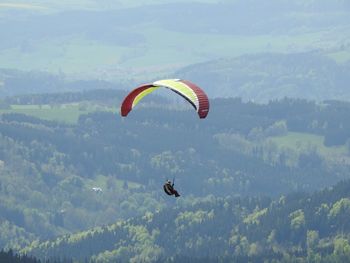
(188, 90)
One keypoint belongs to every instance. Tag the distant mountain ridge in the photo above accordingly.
(16, 82)
(258, 77)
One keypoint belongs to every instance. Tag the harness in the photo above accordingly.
(168, 189)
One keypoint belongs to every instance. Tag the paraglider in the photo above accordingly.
(169, 189)
(188, 90)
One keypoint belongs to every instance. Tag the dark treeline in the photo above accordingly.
(11, 257)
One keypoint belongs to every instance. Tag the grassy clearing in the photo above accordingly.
(104, 182)
(303, 141)
(182, 48)
(342, 56)
(70, 55)
(68, 113)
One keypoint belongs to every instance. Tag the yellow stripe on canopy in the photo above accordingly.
(142, 94)
(180, 87)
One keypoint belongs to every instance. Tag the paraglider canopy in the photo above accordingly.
(188, 90)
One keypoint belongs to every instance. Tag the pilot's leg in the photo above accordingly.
(176, 193)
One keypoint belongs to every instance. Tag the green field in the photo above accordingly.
(80, 57)
(341, 56)
(157, 49)
(303, 141)
(68, 113)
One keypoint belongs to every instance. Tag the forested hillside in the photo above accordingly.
(265, 177)
(102, 167)
(263, 77)
(295, 228)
